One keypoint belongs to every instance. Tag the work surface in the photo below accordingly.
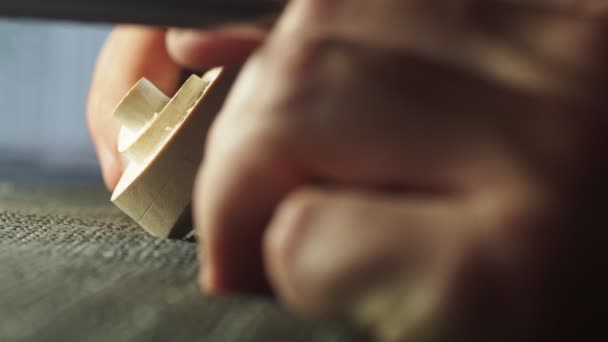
(73, 268)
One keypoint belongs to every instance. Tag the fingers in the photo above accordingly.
(311, 121)
(388, 263)
(129, 54)
(365, 109)
(343, 113)
(568, 43)
(224, 46)
(540, 51)
(378, 235)
(234, 197)
(406, 266)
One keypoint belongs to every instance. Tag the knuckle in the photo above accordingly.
(299, 285)
(293, 217)
(310, 57)
(318, 14)
(287, 107)
(307, 77)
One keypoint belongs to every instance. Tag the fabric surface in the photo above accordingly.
(74, 268)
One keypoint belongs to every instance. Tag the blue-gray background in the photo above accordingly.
(45, 70)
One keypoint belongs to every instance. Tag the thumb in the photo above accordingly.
(129, 54)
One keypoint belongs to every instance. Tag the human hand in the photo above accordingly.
(410, 164)
(133, 52)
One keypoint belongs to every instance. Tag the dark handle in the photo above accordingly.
(179, 13)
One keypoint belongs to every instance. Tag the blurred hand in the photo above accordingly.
(409, 164)
(133, 52)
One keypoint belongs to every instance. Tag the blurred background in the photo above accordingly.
(45, 70)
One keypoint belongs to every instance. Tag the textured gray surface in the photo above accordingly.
(73, 268)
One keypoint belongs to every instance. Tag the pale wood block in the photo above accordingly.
(163, 141)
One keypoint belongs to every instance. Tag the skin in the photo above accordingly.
(133, 52)
(129, 54)
(434, 160)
